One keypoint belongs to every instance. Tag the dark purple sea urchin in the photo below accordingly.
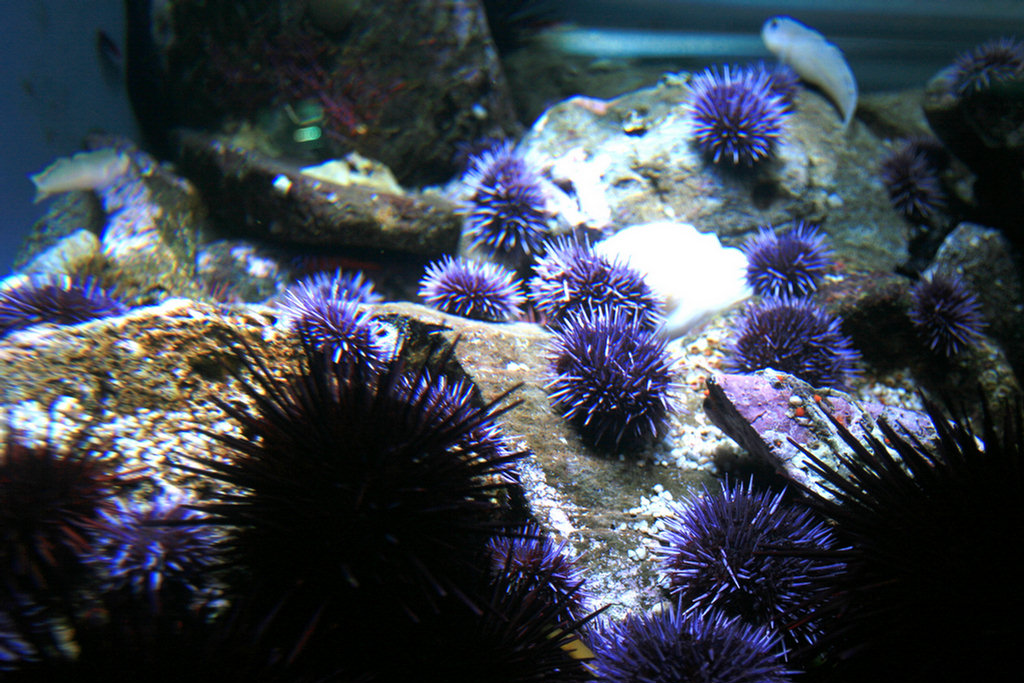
(669, 647)
(912, 181)
(988, 64)
(737, 116)
(795, 336)
(790, 264)
(727, 551)
(611, 378)
(472, 289)
(58, 299)
(506, 215)
(945, 314)
(352, 500)
(572, 276)
(931, 593)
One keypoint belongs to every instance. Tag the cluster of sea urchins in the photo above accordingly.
(785, 329)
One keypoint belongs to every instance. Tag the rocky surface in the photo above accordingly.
(630, 160)
(273, 200)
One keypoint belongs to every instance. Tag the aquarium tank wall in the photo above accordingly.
(480, 340)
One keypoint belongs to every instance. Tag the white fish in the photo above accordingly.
(818, 61)
(83, 171)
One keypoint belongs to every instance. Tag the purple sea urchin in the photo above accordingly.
(351, 285)
(611, 378)
(987, 64)
(728, 551)
(945, 314)
(58, 299)
(506, 215)
(912, 182)
(795, 336)
(781, 79)
(791, 264)
(671, 646)
(535, 559)
(472, 289)
(356, 499)
(159, 554)
(929, 590)
(322, 313)
(572, 276)
(737, 115)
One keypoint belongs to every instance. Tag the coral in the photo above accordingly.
(506, 215)
(669, 646)
(157, 554)
(472, 289)
(912, 181)
(929, 523)
(57, 299)
(351, 499)
(737, 115)
(795, 336)
(790, 264)
(611, 378)
(728, 551)
(571, 275)
(945, 314)
(987, 64)
(333, 322)
(545, 566)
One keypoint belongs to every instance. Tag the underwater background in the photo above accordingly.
(481, 340)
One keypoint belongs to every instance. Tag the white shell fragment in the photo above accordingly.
(818, 61)
(83, 171)
(696, 275)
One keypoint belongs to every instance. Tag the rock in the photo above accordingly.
(773, 415)
(74, 253)
(638, 147)
(274, 200)
(400, 82)
(991, 268)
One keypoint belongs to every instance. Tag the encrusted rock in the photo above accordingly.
(277, 201)
(631, 159)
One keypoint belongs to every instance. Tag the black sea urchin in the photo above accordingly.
(49, 501)
(795, 336)
(987, 64)
(738, 552)
(611, 378)
(790, 264)
(737, 116)
(472, 289)
(670, 646)
(356, 498)
(912, 181)
(931, 593)
(945, 314)
(506, 215)
(58, 299)
(323, 314)
(571, 276)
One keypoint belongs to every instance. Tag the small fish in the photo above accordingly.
(818, 61)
